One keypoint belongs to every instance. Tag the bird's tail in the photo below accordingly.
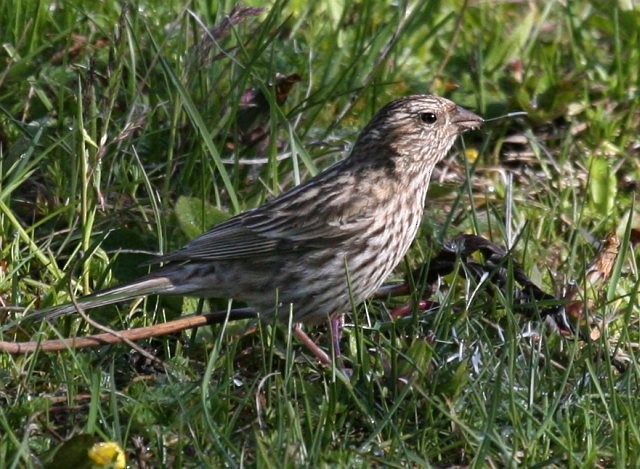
(148, 285)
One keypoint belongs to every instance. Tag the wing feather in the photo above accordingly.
(305, 218)
(262, 232)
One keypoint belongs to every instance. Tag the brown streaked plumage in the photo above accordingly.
(359, 216)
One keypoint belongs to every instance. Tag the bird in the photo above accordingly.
(332, 239)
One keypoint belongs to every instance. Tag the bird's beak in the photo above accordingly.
(466, 120)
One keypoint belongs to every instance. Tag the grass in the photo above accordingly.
(122, 134)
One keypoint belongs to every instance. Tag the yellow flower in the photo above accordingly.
(471, 154)
(108, 453)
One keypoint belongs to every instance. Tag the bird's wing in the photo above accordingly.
(260, 232)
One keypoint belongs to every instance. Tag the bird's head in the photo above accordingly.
(414, 129)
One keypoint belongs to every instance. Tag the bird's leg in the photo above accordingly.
(407, 308)
(335, 328)
(311, 345)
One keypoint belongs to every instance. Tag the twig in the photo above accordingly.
(118, 335)
(128, 336)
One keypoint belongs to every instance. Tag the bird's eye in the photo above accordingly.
(428, 117)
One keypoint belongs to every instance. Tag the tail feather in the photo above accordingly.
(149, 285)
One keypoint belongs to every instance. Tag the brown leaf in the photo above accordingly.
(595, 277)
(600, 269)
(78, 47)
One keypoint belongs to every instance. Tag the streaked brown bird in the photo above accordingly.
(337, 236)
